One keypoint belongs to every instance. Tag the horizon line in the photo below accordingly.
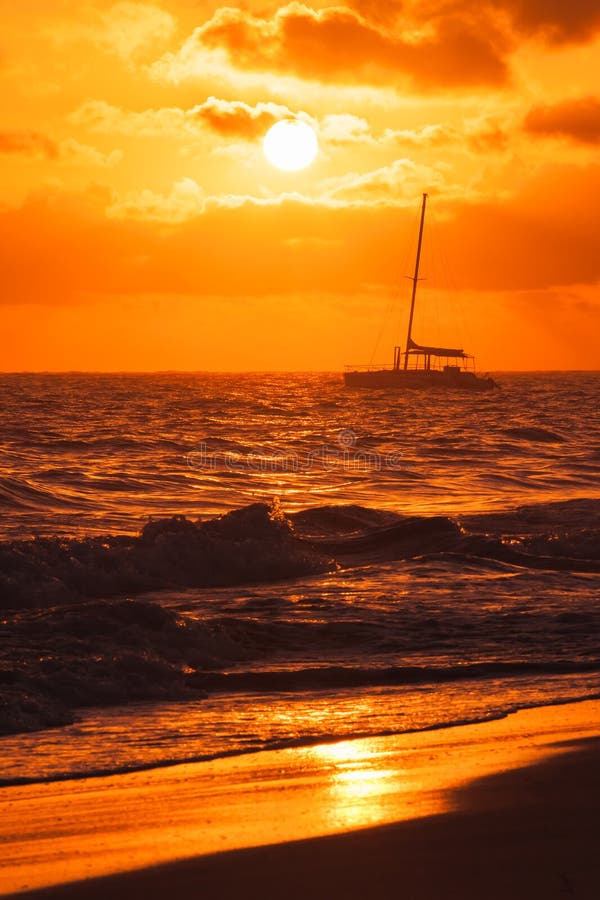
(252, 371)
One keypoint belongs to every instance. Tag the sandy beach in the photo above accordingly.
(506, 808)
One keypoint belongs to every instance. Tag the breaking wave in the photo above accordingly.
(259, 543)
(256, 543)
(67, 644)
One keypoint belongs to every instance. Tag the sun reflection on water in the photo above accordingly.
(362, 789)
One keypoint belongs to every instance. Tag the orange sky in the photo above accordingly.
(141, 227)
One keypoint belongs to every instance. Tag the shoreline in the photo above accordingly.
(298, 744)
(265, 808)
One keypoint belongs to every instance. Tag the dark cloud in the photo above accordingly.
(233, 118)
(228, 118)
(561, 21)
(577, 119)
(558, 21)
(339, 44)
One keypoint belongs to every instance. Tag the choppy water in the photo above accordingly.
(100, 453)
(443, 563)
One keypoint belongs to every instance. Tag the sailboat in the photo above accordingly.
(421, 366)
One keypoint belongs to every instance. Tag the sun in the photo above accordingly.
(290, 145)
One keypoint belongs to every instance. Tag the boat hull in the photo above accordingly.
(401, 379)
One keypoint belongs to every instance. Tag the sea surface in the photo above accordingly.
(195, 565)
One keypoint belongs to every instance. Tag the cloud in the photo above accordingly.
(246, 122)
(227, 118)
(482, 134)
(344, 128)
(396, 185)
(339, 44)
(28, 143)
(486, 135)
(68, 151)
(399, 182)
(233, 118)
(427, 136)
(240, 246)
(555, 21)
(386, 12)
(73, 152)
(577, 119)
(185, 201)
(560, 21)
(126, 29)
(243, 121)
(104, 118)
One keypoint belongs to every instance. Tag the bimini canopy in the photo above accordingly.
(435, 351)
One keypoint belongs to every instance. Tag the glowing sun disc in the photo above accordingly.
(290, 145)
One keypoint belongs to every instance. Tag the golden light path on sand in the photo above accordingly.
(60, 832)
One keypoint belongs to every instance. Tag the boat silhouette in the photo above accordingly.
(421, 366)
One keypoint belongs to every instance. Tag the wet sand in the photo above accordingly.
(504, 809)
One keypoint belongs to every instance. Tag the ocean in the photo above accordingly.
(198, 565)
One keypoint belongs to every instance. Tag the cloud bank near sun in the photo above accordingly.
(340, 44)
(133, 172)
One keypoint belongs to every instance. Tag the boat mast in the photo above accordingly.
(415, 280)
